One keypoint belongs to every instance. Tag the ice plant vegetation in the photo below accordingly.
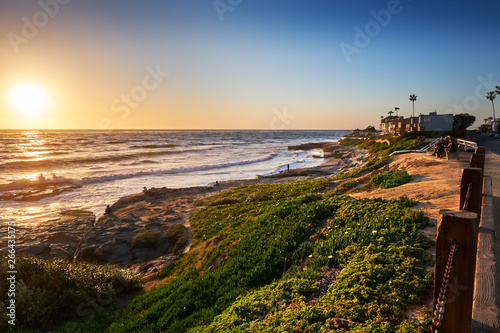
(259, 252)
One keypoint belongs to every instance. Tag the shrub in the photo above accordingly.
(344, 187)
(389, 179)
(147, 239)
(50, 292)
(382, 149)
(178, 236)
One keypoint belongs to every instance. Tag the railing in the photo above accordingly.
(461, 142)
(464, 272)
(467, 144)
(422, 150)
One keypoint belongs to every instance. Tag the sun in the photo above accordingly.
(29, 99)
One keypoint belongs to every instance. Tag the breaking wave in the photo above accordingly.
(46, 179)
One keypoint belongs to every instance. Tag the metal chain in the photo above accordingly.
(445, 286)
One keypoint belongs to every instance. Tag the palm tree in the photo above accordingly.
(390, 113)
(413, 98)
(497, 90)
(396, 109)
(491, 96)
(485, 120)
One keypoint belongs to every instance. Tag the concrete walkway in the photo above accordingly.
(492, 169)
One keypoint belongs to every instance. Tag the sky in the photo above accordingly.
(241, 64)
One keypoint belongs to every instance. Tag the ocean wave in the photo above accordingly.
(45, 179)
(152, 146)
(99, 179)
(40, 180)
(144, 162)
(74, 161)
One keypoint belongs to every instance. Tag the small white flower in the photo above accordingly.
(374, 232)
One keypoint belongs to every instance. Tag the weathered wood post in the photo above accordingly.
(480, 150)
(477, 161)
(456, 227)
(471, 200)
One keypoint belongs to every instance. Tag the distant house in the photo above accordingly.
(430, 122)
(395, 125)
(435, 122)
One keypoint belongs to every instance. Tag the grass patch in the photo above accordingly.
(381, 149)
(50, 292)
(387, 179)
(374, 164)
(178, 236)
(145, 240)
(345, 187)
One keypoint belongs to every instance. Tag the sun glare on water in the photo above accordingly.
(29, 99)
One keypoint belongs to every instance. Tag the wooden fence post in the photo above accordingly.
(477, 161)
(472, 177)
(480, 150)
(456, 226)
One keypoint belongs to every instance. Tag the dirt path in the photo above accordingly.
(435, 185)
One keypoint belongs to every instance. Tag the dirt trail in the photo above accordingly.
(436, 182)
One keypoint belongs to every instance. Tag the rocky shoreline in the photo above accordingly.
(146, 231)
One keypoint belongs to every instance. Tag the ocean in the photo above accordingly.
(44, 172)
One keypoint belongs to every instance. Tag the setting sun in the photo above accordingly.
(29, 99)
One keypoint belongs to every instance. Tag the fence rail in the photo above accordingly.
(469, 288)
(467, 144)
(421, 150)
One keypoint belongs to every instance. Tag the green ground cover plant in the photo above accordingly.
(373, 164)
(49, 292)
(269, 246)
(387, 179)
(382, 148)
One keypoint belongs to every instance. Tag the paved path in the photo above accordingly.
(492, 168)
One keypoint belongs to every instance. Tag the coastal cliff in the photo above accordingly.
(149, 230)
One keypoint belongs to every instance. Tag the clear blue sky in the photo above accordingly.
(248, 64)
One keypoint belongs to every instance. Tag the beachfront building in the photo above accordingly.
(431, 122)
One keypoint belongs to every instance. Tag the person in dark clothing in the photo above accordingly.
(452, 146)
